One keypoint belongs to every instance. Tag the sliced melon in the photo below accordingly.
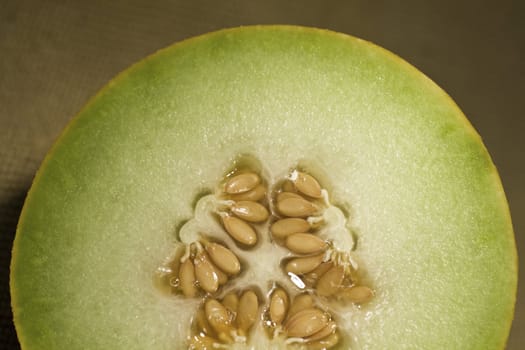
(432, 228)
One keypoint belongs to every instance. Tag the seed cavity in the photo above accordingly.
(247, 212)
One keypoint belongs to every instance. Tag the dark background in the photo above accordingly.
(55, 54)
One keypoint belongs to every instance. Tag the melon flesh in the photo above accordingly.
(435, 237)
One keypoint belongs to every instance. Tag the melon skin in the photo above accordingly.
(435, 234)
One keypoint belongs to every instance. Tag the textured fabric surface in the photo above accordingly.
(55, 54)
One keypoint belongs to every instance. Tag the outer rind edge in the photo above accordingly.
(179, 45)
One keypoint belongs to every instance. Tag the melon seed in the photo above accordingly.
(202, 342)
(242, 183)
(239, 230)
(305, 243)
(312, 277)
(306, 184)
(278, 306)
(306, 322)
(320, 270)
(187, 279)
(223, 258)
(205, 273)
(356, 294)
(221, 276)
(288, 226)
(323, 333)
(217, 316)
(300, 266)
(300, 302)
(286, 195)
(331, 281)
(250, 211)
(325, 343)
(231, 302)
(253, 195)
(296, 207)
(247, 310)
(288, 186)
(203, 324)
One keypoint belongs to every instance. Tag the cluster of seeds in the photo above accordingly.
(206, 265)
(297, 216)
(244, 192)
(318, 263)
(226, 321)
(300, 321)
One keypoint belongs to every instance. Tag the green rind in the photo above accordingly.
(44, 322)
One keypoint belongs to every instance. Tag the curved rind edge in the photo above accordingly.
(180, 45)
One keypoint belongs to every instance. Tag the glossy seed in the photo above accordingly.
(288, 186)
(217, 316)
(330, 328)
(312, 277)
(205, 273)
(226, 337)
(331, 281)
(305, 243)
(278, 306)
(202, 323)
(286, 195)
(288, 226)
(242, 183)
(306, 322)
(300, 266)
(306, 184)
(300, 302)
(231, 302)
(326, 343)
(296, 207)
(321, 269)
(187, 279)
(247, 310)
(250, 211)
(254, 195)
(222, 277)
(356, 294)
(239, 230)
(200, 342)
(223, 258)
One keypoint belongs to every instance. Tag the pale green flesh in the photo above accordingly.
(435, 237)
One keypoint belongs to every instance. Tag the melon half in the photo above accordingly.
(431, 227)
